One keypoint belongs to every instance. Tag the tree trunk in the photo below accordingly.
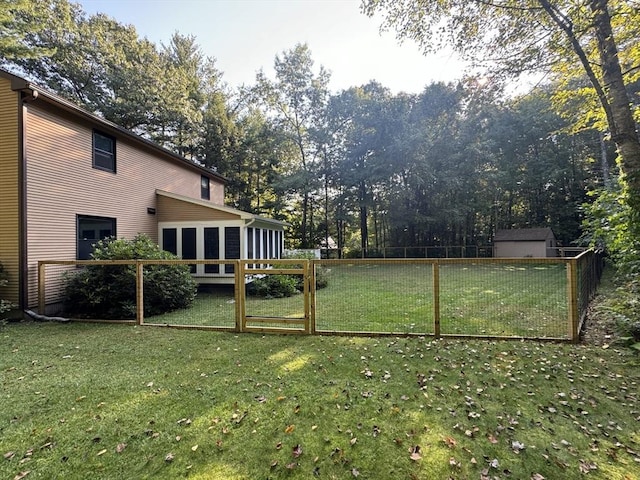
(364, 230)
(623, 130)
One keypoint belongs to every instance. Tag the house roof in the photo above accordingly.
(38, 93)
(240, 214)
(523, 235)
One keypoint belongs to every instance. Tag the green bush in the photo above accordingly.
(110, 291)
(322, 273)
(274, 286)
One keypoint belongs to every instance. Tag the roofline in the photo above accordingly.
(234, 211)
(36, 92)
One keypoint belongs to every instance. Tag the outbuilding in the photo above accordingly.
(525, 242)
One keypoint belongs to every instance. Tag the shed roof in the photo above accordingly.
(523, 235)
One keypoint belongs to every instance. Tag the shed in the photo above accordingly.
(525, 242)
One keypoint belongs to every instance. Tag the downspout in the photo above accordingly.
(26, 95)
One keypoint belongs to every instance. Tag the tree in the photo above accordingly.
(17, 19)
(296, 101)
(511, 37)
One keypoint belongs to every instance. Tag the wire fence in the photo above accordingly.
(544, 298)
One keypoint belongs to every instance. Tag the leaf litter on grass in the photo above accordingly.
(466, 408)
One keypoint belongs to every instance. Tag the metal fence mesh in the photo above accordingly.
(530, 298)
(504, 299)
(371, 296)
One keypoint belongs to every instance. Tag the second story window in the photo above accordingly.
(104, 152)
(205, 188)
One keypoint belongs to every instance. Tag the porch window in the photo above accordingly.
(212, 248)
(189, 251)
(231, 246)
(90, 230)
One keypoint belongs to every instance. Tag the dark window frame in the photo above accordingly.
(205, 187)
(79, 229)
(99, 153)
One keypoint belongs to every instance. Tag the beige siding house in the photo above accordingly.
(525, 242)
(69, 178)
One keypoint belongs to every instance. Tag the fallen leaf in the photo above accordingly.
(274, 464)
(450, 442)
(290, 429)
(586, 467)
(314, 427)
(537, 476)
(353, 440)
(9, 455)
(415, 453)
(194, 448)
(102, 452)
(169, 457)
(292, 465)
(21, 475)
(296, 451)
(120, 447)
(355, 472)
(278, 445)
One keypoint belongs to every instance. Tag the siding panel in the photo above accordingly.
(62, 184)
(9, 198)
(173, 210)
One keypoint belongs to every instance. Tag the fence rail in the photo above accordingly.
(537, 298)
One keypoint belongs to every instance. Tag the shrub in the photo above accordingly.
(99, 291)
(322, 273)
(280, 286)
(274, 286)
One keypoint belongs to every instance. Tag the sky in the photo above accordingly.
(244, 36)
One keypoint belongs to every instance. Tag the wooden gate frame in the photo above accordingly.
(308, 280)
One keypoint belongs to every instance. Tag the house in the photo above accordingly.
(69, 178)
(525, 242)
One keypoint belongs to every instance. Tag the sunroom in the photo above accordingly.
(194, 229)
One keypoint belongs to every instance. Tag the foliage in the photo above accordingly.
(612, 225)
(5, 305)
(17, 19)
(135, 402)
(110, 291)
(274, 286)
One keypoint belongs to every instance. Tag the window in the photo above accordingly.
(104, 152)
(89, 231)
(205, 188)
(211, 248)
(170, 240)
(189, 248)
(231, 246)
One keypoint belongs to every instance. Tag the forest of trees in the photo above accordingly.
(365, 167)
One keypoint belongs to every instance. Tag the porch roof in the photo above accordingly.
(181, 209)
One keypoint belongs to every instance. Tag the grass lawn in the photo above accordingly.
(97, 401)
(483, 299)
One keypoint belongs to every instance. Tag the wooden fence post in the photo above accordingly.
(239, 292)
(42, 299)
(572, 298)
(139, 292)
(312, 294)
(436, 299)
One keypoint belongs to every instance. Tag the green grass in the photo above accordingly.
(98, 401)
(484, 299)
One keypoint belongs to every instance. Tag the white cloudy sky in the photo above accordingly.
(246, 35)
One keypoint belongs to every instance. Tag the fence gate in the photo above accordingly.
(259, 315)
